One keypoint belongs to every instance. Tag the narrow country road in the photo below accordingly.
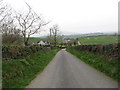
(66, 71)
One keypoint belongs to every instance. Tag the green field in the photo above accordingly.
(99, 39)
(106, 39)
(33, 39)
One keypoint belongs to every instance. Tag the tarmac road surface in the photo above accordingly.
(67, 71)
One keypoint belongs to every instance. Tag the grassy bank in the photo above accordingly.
(101, 63)
(19, 73)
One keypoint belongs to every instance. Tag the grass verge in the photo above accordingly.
(101, 63)
(19, 73)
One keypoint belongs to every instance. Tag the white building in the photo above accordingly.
(43, 42)
(79, 43)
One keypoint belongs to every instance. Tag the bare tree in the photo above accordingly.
(3, 10)
(6, 18)
(29, 23)
(54, 34)
(7, 25)
(10, 33)
(5, 14)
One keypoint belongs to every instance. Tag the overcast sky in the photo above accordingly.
(75, 16)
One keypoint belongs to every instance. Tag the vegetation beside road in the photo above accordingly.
(19, 73)
(100, 62)
(20, 52)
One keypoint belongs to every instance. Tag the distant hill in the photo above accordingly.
(87, 35)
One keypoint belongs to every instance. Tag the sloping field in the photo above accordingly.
(99, 39)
